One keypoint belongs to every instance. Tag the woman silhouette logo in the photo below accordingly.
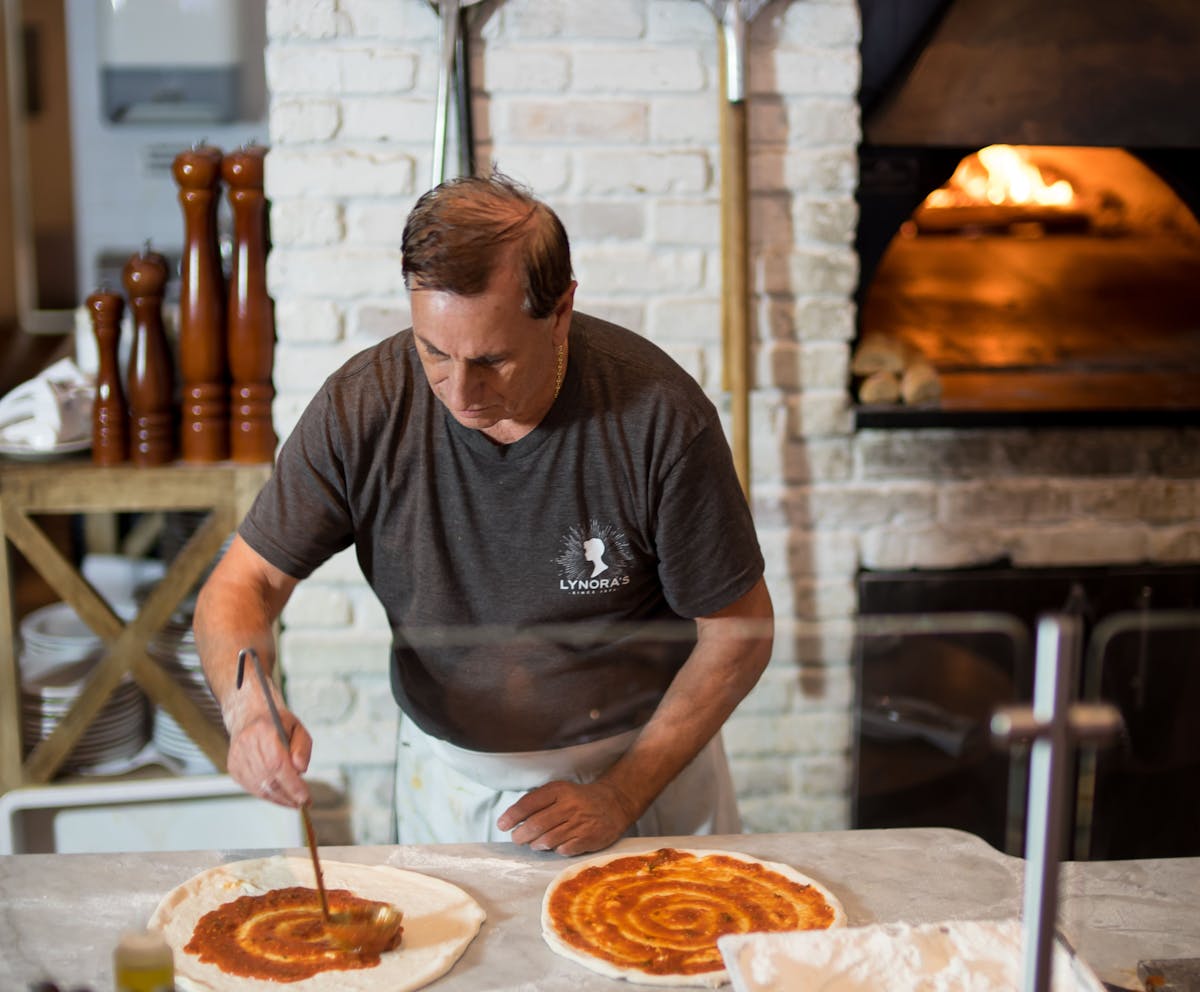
(593, 551)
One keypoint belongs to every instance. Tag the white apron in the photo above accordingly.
(449, 795)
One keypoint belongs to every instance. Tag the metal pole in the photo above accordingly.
(1058, 651)
(448, 12)
(1054, 725)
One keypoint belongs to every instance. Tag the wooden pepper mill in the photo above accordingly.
(110, 412)
(204, 428)
(151, 377)
(251, 315)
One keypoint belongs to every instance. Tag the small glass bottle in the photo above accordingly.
(143, 962)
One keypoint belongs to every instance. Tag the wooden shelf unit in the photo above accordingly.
(225, 490)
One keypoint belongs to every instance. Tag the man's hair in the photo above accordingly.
(459, 232)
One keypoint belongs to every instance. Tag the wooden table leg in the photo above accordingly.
(126, 643)
(224, 492)
(10, 678)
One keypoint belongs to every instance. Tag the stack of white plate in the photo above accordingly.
(120, 578)
(55, 635)
(174, 648)
(58, 651)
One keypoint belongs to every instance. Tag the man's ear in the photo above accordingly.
(563, 310)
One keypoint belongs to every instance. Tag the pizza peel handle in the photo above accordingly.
(368, 932)
(733, 18)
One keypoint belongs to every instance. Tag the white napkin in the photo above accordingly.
(53, 408)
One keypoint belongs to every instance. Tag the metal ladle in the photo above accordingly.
(364, 931)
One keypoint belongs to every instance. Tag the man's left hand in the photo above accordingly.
(569, 818)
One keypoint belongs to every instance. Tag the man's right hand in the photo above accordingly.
(257, 759)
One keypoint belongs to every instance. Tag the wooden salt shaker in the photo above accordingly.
(204, 431)
(110, 412)
(251, 314)
(151, 377)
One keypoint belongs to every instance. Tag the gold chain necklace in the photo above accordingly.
(559, 367)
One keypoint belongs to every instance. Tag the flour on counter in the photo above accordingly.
(419, 859)
(958, 956)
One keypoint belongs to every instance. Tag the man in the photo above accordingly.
(478, 462)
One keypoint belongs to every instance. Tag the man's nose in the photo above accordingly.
(459, 383)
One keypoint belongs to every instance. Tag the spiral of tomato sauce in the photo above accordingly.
(662, 912)
(279, 935)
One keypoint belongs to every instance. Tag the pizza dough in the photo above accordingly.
(979, 955)
(440, 920)
(654, 917)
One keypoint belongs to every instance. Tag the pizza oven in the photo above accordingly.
(1029, 249)
(1029, 195)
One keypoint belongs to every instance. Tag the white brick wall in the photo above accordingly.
(609, 109)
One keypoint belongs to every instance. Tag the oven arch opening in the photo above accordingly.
(1078, 312)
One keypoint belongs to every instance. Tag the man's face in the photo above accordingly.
(487, 360)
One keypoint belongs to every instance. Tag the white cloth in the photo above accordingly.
(54, 407)
(449, 795)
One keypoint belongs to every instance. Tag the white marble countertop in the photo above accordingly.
(61, 914)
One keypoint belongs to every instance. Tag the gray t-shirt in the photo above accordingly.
(540, 593)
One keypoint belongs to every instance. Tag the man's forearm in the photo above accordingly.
(729, 657)
(225, 623)
(237, 608)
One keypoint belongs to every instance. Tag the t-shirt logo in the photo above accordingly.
(592, 559)
(593, 551)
